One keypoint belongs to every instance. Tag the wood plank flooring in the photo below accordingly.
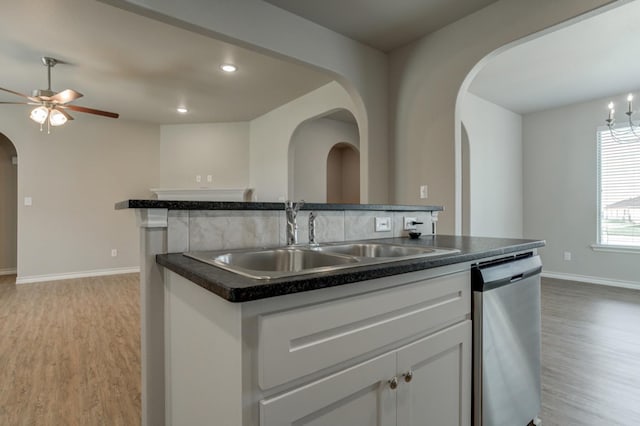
(70, 352)
(590, 355)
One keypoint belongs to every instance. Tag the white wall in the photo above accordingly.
(495, 168)
(360, 69)
(217, 149)
(75, 175)
(310, 146)
(8, 206)
(425, 79)
(560, 192)
(271, 135)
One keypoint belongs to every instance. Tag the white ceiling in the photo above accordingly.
(383, 24)
(143, 69)
(139, 67)
(592, 59)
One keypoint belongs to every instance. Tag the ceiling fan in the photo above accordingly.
(51, 106)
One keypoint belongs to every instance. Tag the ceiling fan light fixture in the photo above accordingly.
(39, 114)
(56, 118)
(182, 110)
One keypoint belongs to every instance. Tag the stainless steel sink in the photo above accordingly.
(376, 250)
(270, 263)
(274, 263)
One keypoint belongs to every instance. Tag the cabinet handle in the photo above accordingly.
(408, 376)
(393, 383)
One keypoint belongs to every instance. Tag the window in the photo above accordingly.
(619, 189)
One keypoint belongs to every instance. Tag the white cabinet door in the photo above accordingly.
(357, 396)
(439, 390)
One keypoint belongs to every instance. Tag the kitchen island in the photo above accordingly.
(374, 344)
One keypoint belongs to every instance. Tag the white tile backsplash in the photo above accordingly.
(228, 229)
(360, 225)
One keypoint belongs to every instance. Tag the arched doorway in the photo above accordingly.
(466, 184)
(343, 174)
(8, 206)
(309, 150)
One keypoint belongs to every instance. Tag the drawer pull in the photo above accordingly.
(408, 376)
(393, 383)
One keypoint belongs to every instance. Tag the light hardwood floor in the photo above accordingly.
(590, 355)
(70, 352)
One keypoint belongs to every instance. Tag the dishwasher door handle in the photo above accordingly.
(488, 277)
(516, 278)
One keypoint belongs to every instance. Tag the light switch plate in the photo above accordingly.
(424, 191)
(383, 224)
(28, 201)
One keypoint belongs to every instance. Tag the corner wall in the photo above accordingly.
(560, 193)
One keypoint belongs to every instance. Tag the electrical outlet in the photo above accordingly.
(408, 223)
(114, 252)
(567, 256)
(198, 178)
(209, 178)
(424, 191)
(383, 224)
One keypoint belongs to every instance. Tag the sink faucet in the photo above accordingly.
(312, 229)
(291, 211)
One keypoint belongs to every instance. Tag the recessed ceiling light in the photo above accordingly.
(182, 110)
(228, 68)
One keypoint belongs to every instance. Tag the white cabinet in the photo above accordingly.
(324, 357)
(431, 386)
(438, 368)
(357, 396)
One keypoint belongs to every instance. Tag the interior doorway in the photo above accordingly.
(8, 206)
(343, 174)
(324, 159)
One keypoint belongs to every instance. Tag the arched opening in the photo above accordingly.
(466, 184)
(343, 174)
(570, 68)
(8, 206)
(309, 149)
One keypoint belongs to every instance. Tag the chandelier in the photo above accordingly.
(629, 133)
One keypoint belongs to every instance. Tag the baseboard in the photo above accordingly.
(72, 275)
(592, 280)
(7, 271)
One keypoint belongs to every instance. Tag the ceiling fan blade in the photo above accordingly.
(17, 103)
(90, 110)
(31, 98)
(66, 96)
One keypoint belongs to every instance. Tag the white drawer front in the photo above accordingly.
(304, 340)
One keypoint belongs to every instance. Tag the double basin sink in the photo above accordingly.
(271, 263)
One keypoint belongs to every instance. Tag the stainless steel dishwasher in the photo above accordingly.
(506, 341)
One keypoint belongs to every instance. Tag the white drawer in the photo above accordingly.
(301, 341)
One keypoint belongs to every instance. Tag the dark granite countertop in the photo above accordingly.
(238, 288)
(239, 205)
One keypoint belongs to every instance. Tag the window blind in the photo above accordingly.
(619, 188)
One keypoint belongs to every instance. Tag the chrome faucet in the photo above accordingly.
(291, 211)
(312, 229)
